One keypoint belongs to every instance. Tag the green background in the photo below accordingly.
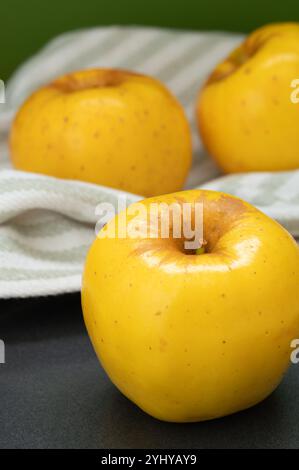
(27, 24)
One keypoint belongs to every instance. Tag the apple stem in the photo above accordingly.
(200, 251)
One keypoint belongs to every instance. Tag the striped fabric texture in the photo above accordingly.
(47, 224)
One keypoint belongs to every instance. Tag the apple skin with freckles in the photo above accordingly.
(246, 116)
(192, 337)
(105, 126)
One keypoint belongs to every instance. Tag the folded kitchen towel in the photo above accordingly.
(47, 224)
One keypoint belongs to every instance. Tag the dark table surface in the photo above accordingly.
(54, 394)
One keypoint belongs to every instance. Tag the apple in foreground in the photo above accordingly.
(245, 112)
(105, 126)
(187, 336)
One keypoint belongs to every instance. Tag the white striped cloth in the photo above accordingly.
(46, 224)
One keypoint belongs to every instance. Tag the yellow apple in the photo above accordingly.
(246, 117)
(186, 336)
(110, 127)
